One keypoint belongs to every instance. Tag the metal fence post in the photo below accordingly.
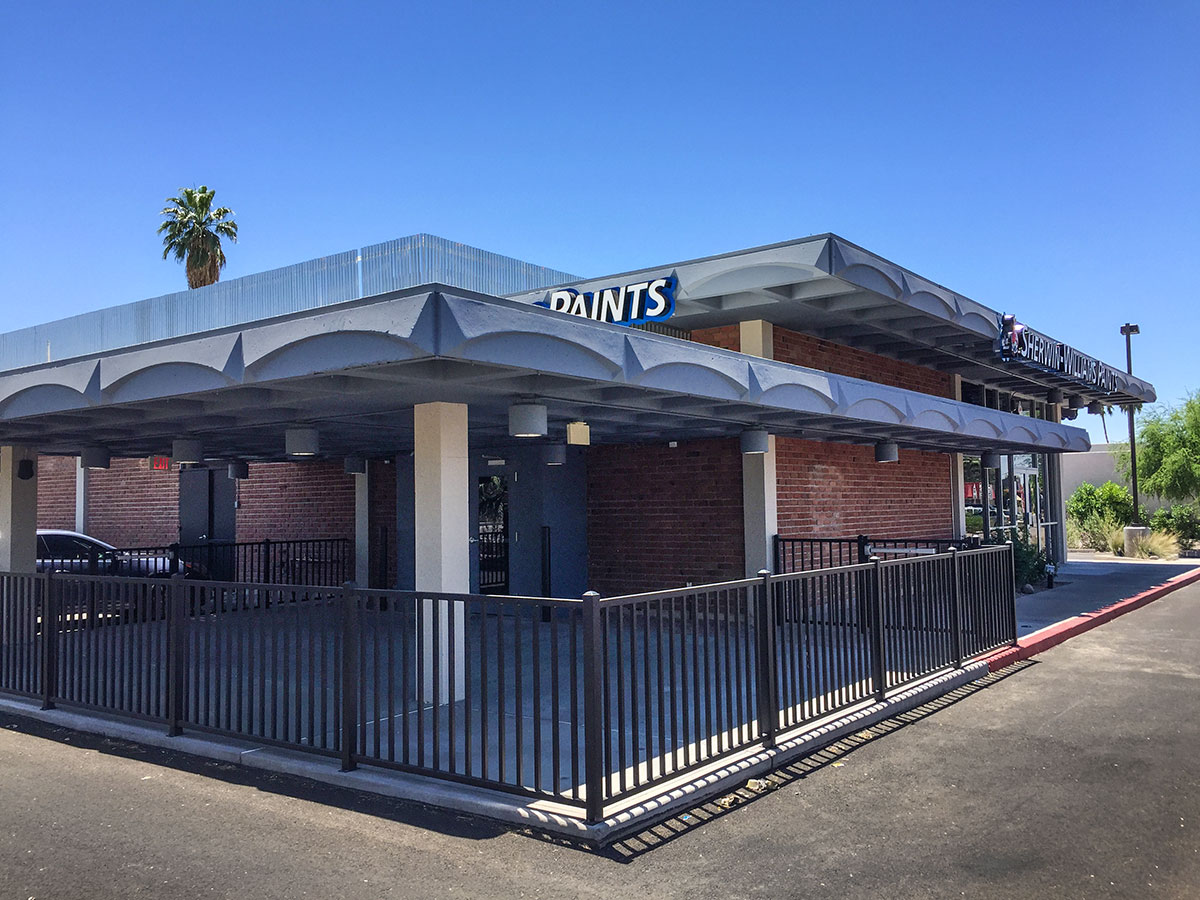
(173, 558)
(766, 688)
(50, 629)
(350, 674)
(864, 548)
(776, 556)
(878, 666)
(177, 618)
(1012, 588)
(593, 709)
(266, 561)
(956, 608)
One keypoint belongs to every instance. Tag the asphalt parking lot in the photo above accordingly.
(1074, 775)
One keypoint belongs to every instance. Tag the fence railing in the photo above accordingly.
(307, 561)
(586, 702)
(803, 554)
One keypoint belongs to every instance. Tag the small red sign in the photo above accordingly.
(160, 463)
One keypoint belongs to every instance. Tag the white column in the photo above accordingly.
(81, 489)
(362, 527)
(958, 486)
(760, 512)
(442, 518)
(18, 512)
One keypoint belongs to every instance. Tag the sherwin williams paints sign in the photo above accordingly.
(628, 304)
(1019, 342)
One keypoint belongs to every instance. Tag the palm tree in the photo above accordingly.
(193, 231)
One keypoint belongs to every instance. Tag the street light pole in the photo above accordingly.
(1129, 329)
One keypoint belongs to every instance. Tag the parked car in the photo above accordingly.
(69, 551)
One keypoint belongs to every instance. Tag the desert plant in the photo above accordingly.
(1095, 532)
(1157, 545)
(1074, 534)
(1115, 541)
(193, 231)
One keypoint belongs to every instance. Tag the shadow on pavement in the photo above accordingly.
(402, 811)
(630, 848)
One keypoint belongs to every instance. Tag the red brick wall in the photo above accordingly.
(660, 517)
(381, 513)
(805, 350)
(131, 506)
(289, 501)
(838, 490)
(56, 492)
(727, 336)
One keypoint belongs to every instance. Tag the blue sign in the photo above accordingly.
(628, 304)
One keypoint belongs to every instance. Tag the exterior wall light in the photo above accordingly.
(239, 469)
(755, 440)
(989, 459)
(355, 465)
(1095, 407)
(527, 420)
(26, 469)
(187, 450)
(886, 452)
(302, 442)
(554, 454)
(579, 434)
(94, 458)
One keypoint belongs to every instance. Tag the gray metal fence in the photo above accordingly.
(588, 702)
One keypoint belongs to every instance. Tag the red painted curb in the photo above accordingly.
(1053, 635)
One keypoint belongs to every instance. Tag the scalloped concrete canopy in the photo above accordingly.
(830, 288)
(237, 389)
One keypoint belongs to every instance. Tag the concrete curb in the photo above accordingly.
(510, 809)
(1053, 635)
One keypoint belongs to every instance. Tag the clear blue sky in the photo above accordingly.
(1038, 157)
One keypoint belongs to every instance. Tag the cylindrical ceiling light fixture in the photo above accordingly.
(989, 459)
(1095, 407)
(527, 420)
(887, 451)
(302, 441)
(239, 469)
(1075, 402)
(1054, 395)
(187, 450)
(755, 440)
(554, 454)
(355, 465)
(95, 457)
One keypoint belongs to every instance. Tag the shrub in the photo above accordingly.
(1029, 562)
(1157, 544)
(974, 524)
(1110, 500)
(1180, 521)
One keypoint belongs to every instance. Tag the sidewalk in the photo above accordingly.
(1091, 581)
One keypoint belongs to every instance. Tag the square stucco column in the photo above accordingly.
(18, 512)
(441, 515)
(81, 492)
(958, 485)
(759, 508)
(362, 528)
(759, 497)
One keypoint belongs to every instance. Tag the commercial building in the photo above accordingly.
(491, 446)
(679, 416)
